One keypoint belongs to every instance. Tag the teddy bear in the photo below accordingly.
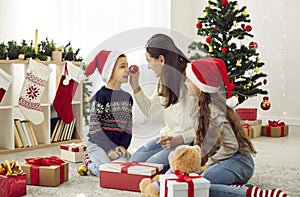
(186, 159)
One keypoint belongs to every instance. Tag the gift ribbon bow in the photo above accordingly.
(46, 161)
(10, 168)
(275, 123)
(127, 164)
(183, 177)
(73, 147)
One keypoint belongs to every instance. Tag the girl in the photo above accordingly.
(110, 129)
(168, 63)
(226, 150)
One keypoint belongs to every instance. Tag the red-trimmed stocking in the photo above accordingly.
(71, 77)
(5, 81)
(34, 85)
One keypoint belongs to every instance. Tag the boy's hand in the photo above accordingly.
(113, 155)
(122, 152)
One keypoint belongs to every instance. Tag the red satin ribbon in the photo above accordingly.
(275, 124)
(183, 177)
(127, 164)
(46, 161)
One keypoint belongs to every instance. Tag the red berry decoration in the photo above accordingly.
(243, 26)
(265, 104)
(224, 50)
(208, 39)
(224, 2)
(199, 25)
(133, 68)
(253, 45)
(265, 81)
(248, 28)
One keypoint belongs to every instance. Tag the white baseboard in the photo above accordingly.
(286, 120)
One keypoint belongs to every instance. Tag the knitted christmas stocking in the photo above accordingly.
(35, 82)
(256, 192)
(71, 77)
(5, 81)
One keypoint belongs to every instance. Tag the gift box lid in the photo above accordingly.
(199, 183)
(73, 147)
(138, 168)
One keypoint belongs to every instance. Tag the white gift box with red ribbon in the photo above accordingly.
(183, 185)
(73, 152)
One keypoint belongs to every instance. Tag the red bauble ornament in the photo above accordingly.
(253, 45)
(248, 28)
(208, 39)
(216, 27)
(133, 68)
(224, 2)
(224, 50)
(265, 81)
(199, 25)
(265, 104)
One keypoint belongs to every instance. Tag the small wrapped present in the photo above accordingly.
(183, 185)
(248, 130)
(275, 129)
(48, 171)
(254, 127)
(12, 179)
(127, 175)
(73, 152)
(247, 113)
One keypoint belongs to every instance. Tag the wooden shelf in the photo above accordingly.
(9, 108)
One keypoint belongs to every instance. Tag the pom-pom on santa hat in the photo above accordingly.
(208, 74)
(104, 62)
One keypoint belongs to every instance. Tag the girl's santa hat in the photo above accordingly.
(208, 74)
(104, 62)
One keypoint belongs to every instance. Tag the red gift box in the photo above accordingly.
(48, 171)
(127, 175)
(13, 186)
(247, 113)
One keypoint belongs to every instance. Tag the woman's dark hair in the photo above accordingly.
(173, 73)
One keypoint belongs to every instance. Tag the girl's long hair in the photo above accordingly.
(173, 74)
(205, 125)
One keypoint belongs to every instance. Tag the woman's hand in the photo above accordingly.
(168, 142)
(134, 80)
(122, 152)
(113, 155)
(203, 168)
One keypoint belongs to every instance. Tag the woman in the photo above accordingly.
(168, 63)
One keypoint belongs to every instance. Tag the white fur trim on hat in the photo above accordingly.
(109, 65)
(193, 78)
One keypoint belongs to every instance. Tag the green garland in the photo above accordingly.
(11, 50)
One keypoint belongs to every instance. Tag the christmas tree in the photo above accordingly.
(225, 32)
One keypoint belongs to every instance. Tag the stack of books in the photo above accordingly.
(24, 134)
(61, 131)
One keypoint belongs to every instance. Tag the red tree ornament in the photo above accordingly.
(208, 39)
(265, 104)
(243, 26)
(133, 68)
(224, 50)
(265, 81)
(248, 28)
(224, 2)
(199, 25)
(253, 45)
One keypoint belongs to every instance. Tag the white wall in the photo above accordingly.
(276, 32)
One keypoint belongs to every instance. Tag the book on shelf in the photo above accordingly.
(32, 133)
(18, 141)
(71, 130)
(21, 132)
(54, 126)
(27, 133)
(59, 131)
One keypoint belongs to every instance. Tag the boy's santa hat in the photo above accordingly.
(208, 74)
(104, 62)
